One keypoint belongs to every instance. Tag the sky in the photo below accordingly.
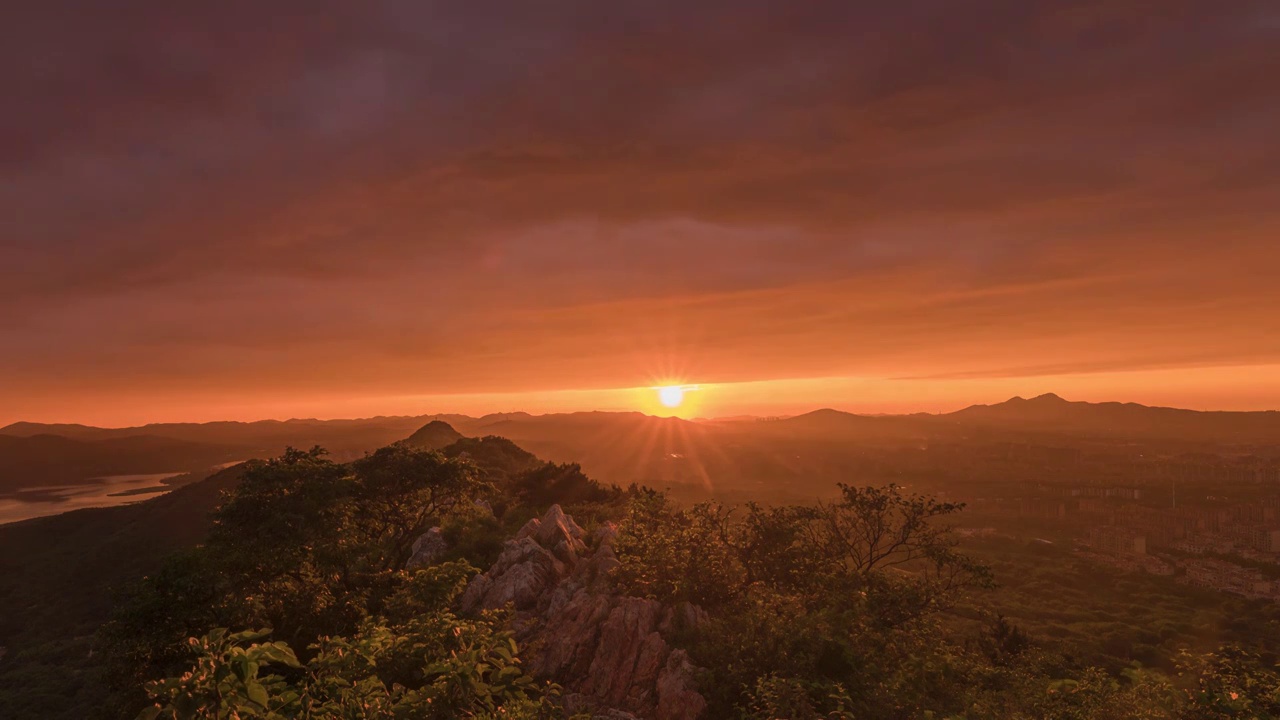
(325, 208)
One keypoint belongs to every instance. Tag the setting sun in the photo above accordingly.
(671, 396)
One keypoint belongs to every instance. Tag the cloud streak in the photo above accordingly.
(407, 197)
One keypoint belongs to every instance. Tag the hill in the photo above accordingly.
(434, 436)
(45, 460)
(265, 438)
(835, 424)
(1051, 413)
(59, 575)
(57, 580)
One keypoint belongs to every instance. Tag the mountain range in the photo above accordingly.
(614, 446)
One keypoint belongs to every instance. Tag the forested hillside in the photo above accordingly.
(420, 582)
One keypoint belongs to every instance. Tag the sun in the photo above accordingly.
(671, 396)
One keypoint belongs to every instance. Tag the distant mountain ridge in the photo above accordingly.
(45, 460)
(617, 446)
(1050, 412)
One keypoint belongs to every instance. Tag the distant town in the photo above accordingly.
(1207, 520)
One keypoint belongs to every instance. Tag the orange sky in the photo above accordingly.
(323, 208)
(1222, 388)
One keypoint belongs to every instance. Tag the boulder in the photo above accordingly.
(606, 534)
(555, 525)
(427, 549)
(678, 697)
(528, 529)
(524, 573)
(607, 650)
(684, 617)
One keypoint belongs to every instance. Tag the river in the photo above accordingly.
(100, 492)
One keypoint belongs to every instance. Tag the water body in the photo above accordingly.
(99, 492)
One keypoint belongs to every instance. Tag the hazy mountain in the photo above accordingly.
(617, 447)
(835, 424)
(42, 460)
(1051, 413)
(69, 430)
(343, 438)
(434, 436)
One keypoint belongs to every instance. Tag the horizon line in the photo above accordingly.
(696, 419)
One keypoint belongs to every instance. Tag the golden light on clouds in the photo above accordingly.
(920, 237)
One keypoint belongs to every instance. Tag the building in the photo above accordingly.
(1117, 540)
(1264, 539)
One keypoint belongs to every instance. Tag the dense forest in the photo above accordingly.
(424, 581)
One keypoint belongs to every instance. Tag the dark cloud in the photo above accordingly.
(431, 197)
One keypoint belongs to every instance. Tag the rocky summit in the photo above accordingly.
(607, 650)
(427, 548)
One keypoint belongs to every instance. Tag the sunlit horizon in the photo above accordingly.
(1251, 388)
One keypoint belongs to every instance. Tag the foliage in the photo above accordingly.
(57, 580)
(677, 556)
(315, 550)
(848, 609)
(225, 681)
(1231, 683)
(778, 697)
(864, 606)
(495, 458)
(873, 541)
(1084, 610)
(832, 599)
(432, 667)
(550, 483)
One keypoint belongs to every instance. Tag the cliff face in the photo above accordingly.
(607, 650)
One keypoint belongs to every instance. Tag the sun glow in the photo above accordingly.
(671, 396)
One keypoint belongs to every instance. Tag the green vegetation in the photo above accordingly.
(57, 580)
(1097, 614)
(316, 552)
(293, 601)
(849, 610)
(418, 660)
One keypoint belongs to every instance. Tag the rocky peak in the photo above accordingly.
(427, 549)
(607, 650)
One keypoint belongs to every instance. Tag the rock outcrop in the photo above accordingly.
(607, 650)
(427, 549)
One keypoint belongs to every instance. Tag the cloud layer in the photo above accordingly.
(301, 199)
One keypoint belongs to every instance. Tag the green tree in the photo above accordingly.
(399, 492)
(835, 599)
(306, 546)
(419, 660)
(1230, 683)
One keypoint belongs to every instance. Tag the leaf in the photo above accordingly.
(257, 694)
(278, 653)
(150, 713)
(250, 635)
